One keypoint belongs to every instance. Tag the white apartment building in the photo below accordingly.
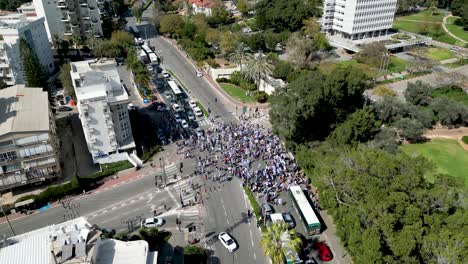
(12, 28)
(102, 104)
(28, 143)
(71, 17)
(27, 9)
(358, 19)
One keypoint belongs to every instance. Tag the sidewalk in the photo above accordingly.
(170, 157)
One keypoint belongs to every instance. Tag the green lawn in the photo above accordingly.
(449, 157)
(456, 30)
(426, 16)
(435, 54)
(237, 92)
(398, 65)
(406, 26)
(454, 93)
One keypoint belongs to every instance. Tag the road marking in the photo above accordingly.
(105, 211)
(172, 196)
(113, 208)
(124, 204)
(132, 201)
(141, 197)
(255, 256)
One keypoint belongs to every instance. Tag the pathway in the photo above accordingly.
(444, 26)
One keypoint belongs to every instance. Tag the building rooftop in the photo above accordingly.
(120, 252)
(15, 20)
(203, 3)
(23, 109)
(98, 78)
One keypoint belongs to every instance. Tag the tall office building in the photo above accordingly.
(12, 28)
(103, 109)
(28, 142)
(71, 17)
(358, 19)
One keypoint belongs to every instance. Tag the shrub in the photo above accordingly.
(248, 86)
(223, 80)
(6, 209)
(282, 70)
(212, 62)
(195, 254)
(261, 96)
(465, 139)
(236, 78)
(147, 156)
(383, 90)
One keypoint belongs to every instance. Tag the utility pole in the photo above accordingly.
(8, 221)
(161, 163)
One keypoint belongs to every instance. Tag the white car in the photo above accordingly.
(190, 116)
(167, 94)
(150, 68)
(197, 111)
(246, 30)
(199, 132)
(177, 118)
(227, 241)
(199, 74)
(152, 222)
(176, 107)
(192, 103)
(184, 124)
(165, 74)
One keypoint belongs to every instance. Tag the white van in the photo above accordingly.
(276, 218)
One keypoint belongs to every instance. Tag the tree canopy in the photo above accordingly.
(34, 73)
(386, 209)
(310, 107)
(281, 15)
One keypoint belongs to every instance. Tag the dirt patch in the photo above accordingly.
(454, 133)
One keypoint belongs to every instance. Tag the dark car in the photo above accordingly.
(267, 209)
(64, 109)
(289, 220)
(324, 252)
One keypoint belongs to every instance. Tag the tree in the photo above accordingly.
(219, 14)
(228, 42)
(386, 140)
(34, 73)
(300, 51)
(123, 40)
(212, 36)
(450, 113)
(409, 129)
(195, 254)
(282, 70)
(238, 55)
(243, 6)
(388, 210)
(418, 93)
(66, 80)
(77, 40)
(170, 24)
(137, 12)
(360, 127)
(311, 27)
(282, 15)
(372, 54)
(3, 84)
(278, 240)
(309, 107)
(258, 66)
(142, 75)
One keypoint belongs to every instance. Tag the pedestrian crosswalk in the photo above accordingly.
(184, 192)
(204, 122)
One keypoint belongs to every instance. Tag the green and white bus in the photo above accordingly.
(309, 218)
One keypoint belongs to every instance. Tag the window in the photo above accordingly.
(7, 156)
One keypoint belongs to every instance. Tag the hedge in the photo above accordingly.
(76, 185)
(148, 155)
(254, 203)
(465, 139)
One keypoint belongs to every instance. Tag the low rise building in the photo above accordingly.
(201, 6)
(13, 27)
(269, 84)
(73, 242)
(28, 143)
(103, 109)
(27, 9)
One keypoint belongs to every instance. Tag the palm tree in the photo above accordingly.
(258, 66)
(77, 40)
(57, 44)
(237, 56)
(142, 76)
(278, 242)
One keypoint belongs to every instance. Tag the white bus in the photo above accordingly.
(146, 49)
(304, 209)
(153, 58)
(175, 89)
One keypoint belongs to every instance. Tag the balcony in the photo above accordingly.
(101, 11)
(94, 21)
(71, 11)
(65, 19)
(86, 17)
(68, 32)
(74, 24)
(4, 64)
(62, 5)
(84, 4)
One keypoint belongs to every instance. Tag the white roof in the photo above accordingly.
(304, 205)
(111, 251)
(23, 109)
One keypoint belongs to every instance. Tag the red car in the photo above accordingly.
(323, 251)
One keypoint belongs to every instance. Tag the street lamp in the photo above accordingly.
(161, 163)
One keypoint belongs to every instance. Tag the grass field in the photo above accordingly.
(433, 53)
(449, 157)
(237, 92)
(456, 94)
(456, 30)
(426, 16)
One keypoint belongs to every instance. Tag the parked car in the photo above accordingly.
(152, 222)
(199, 74)
(197, 111)
(150, 68)
(190, 116)
(165, 74)
(311, 260)
(64, 109)
(184, 124)
(176, 107)
(266, 209)
(323, 251)
(227, 241)
(246, 30)
(177, 118)
(199, 132)
(167, 94)
(192, 103)
(289, 220)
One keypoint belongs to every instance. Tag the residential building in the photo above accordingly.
(65, 18)
(73, 242)
(269, 84)
(28, 143)
(27, 9)
(201, 6)
(358, 19)
(12, 28)
(103, 109)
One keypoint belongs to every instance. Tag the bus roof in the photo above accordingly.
(153, 57)
(304, 205)
(146, 49)
(174, 88)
